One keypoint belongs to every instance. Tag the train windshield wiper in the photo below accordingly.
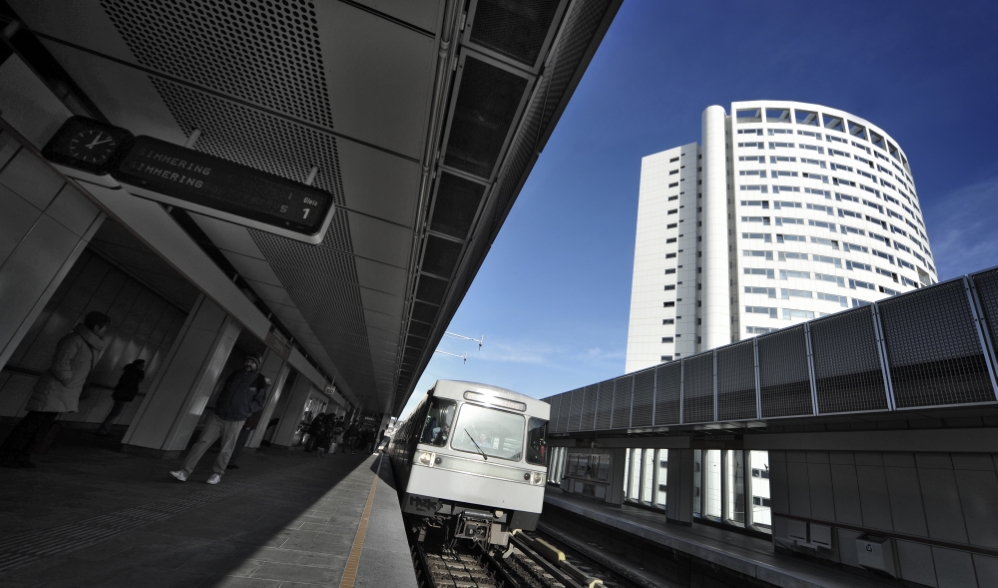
(476, 445)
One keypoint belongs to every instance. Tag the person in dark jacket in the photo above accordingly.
(316, 429)
(58, 389)
(325, 436)
(248, 427)
(243, 393)
(124, 392)
(350, 438)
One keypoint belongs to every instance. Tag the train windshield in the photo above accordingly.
(537, 441)
(494, 433)
(440, 417)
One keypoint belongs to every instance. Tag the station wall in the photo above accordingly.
(144, 326)
(939, 509)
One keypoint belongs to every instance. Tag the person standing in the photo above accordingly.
(124, 392)
(315, 431)
(350, 438)
(243, 393)
(58, 389)
(248, 427)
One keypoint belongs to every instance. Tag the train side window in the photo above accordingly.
(439, 419)
(537, 440)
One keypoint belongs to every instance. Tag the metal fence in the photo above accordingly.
(929, 348)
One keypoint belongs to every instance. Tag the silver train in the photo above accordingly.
(470, 461)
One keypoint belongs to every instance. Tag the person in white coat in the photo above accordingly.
(58, 389)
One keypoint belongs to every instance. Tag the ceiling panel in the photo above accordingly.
(254, 269)
(373, 180)
(271, 293)
(380, 241)
(379, 276)
(228, 236)
(424, 14)
(381, 77)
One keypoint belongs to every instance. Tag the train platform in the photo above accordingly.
(91, 516)
(742, 554)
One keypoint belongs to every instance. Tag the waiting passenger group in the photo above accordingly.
(237, 408)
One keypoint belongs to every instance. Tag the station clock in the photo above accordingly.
(86, 144)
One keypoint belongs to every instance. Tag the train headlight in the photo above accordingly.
(538, 478)
(426, 458)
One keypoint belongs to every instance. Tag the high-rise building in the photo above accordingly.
(784, 212)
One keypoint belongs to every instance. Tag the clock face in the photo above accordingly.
(87, 145)
(92, 146)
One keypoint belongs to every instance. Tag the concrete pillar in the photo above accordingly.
(46, 223)
(177, 397)
(716, 309)
(275, 368)
(679, 488)
(291, 418)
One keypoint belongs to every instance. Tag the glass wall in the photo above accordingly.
(712, 483)
(663, 475)
(556, 464)
(634, 483)
(735, 487)
(759, 461)
(723, 492)
(645, 477)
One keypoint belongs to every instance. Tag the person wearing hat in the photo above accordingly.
(243, 393)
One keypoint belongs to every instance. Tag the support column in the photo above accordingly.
(46, 223)
(177, 397)
(285, 434)
(679, 495)
(716, 310)
(275, 368)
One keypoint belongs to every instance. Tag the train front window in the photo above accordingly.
(439, 420)
(489, 432)
(537, 441)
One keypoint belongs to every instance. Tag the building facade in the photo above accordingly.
(784, 212)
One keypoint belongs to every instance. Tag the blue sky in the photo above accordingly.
(553, 295)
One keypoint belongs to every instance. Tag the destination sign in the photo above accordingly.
(186, 178)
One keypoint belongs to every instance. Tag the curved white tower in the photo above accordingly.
(715, 311)
(801, 210)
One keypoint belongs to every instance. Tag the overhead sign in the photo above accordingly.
(178, 176)
(278, 343)
(191, 180)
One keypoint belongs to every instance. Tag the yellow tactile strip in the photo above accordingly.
(353, 562)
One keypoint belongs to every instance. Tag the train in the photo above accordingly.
(470, 462)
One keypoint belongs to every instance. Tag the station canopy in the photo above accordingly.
(421, 118)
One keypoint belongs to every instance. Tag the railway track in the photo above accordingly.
(532, 563)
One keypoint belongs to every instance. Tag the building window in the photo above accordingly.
(667, 340)
(841, 300)
(837, 280)
(751, 271)
(790, 314)
(787, 293)
(668, 304)
(771, 292)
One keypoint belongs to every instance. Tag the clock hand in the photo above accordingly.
(94, 144)
(108, 140)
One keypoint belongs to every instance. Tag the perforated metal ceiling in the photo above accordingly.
(264, 50)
